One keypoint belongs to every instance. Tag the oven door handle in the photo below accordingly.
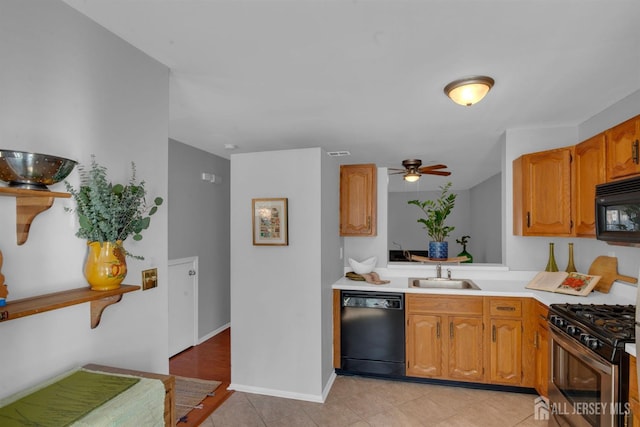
(577, 349)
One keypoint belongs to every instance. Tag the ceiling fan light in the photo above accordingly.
(411, 176)
(470, 90)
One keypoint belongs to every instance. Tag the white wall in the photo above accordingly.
(280, 295)
(485, 244)
(199, 226)
(73, 89)
(331, 264)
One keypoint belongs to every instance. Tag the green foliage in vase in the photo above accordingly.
(436, 212)
(110, 212)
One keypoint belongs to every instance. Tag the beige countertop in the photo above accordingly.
(495, 283)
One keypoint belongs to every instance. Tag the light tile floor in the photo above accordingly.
(361, 402)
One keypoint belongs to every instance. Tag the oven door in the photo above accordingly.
(583, 387)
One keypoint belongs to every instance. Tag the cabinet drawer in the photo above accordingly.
(505, 307)
(448, 305)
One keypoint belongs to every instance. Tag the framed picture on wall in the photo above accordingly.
(270, 222)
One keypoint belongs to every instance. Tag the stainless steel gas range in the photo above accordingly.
(587, 363)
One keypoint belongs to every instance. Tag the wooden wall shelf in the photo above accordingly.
(39, 304)
(29, 203)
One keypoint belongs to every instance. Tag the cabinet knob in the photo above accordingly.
(634, 151)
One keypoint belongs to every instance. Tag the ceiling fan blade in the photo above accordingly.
(399, 171)
(427, 168)
(441, 173)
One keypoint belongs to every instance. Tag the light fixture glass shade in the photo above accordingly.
(411, 176)
(469, 91)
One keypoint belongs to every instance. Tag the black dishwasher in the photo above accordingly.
(372, 333)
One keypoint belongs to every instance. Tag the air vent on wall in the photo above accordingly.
(338, 153)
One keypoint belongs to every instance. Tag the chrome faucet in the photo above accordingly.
(439, 270)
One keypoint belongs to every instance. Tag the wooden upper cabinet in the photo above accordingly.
(358, 200)
(590, 170)
(623, 151)
(542, 203)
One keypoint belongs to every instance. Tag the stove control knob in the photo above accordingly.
(593, 343)
(557, 320)
(573, 330)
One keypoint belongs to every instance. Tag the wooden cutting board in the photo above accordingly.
(607, 268)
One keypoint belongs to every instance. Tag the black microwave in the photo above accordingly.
(618, 211)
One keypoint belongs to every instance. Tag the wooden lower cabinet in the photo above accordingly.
(465, 348)
(490, 340)
(634, 399)
(424, 345)
(444, 337)
(505, 351)
(538, 320)
(504, 340)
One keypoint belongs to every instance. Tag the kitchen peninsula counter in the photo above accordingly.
(491, 281)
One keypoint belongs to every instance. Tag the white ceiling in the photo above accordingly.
(367, 76)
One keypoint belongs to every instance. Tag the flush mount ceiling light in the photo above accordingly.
(470, 90)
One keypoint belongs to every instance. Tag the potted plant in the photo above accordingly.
(107, 215)
(436, 212)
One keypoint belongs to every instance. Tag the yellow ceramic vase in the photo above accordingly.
(105, 267)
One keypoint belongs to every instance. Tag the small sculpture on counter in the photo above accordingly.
(4, 292)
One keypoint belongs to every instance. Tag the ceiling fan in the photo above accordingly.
(412, 170)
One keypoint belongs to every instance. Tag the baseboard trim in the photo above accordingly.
(327, 387)
(214, 333)
(276, 393)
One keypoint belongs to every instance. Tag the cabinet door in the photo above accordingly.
(424, 345)
(590, 170)
(465, 348)
(358, 200)
(506, 351)
(541, 349)
(542, 193)
(622, 149)
(634, 400)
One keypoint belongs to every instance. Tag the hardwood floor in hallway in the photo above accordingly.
(210, 360)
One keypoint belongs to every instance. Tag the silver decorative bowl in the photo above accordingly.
(32, 170)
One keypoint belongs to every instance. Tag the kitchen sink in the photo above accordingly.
(442, 283)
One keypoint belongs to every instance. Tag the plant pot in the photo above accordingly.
(105, 267)
(438, 250)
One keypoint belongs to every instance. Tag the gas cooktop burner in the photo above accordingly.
(601, 327)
